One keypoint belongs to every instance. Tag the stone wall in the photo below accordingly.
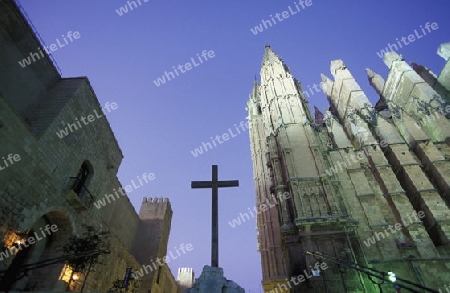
(37, 185)
(30, 82)
(41, 182)
(151, 244)
(164, 282)
(354, 177)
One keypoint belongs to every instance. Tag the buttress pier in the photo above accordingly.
(364, 184)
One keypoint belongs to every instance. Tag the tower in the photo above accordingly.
(185, 279)
(342, 181)
(151, 243)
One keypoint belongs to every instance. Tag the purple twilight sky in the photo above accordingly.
(157, 127)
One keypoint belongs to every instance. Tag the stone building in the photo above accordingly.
(362, 184)
(59, 159)
(185, 279)
(156, 217)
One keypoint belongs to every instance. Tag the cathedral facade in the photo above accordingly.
(66, 223)
(368, 186)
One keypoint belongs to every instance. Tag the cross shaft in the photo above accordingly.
(214, 184)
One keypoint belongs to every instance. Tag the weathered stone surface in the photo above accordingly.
(35, 105)
(185, 279)
(444, 76)
(353, 178)
(212, 281)
(444, 51)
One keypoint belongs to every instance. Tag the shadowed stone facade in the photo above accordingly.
(352, 175)
(156, 217)
(55, 181)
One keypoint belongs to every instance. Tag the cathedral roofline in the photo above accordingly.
(270, 55)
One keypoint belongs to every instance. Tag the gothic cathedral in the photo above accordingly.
(362, 190)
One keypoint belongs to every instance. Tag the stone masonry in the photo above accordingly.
(185, 279)
(352, 174)
(151, 243)
(212, 280)
(53, 180)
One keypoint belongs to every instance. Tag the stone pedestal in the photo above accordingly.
(212, 281)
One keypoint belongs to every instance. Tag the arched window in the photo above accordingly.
(81, 182)
(83, 175)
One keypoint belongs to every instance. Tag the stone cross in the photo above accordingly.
(215, 184)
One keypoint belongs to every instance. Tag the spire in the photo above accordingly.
(271, 57)
(269, 53)
(254, 95)
(376, 81)
(281, 91)
(370, 73)
(254, 102)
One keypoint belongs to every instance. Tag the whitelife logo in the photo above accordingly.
(204, 147)
(297, 280)
(124, 9)
(394, 228)
(184, 68)
(90, 118)
(285, 15)
(162, 261)
(12, 159)
(37, 56)
(31, 240)
(259, 209)
(128, 188)
(411, 38)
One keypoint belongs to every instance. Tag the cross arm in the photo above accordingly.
(209, 184)
(229, 183)
(201, 184)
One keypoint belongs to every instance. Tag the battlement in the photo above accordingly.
(155, 208)
(155, 200)
(185, 270)
(185, 277)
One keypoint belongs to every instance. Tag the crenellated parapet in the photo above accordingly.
(155, 200)
(155, 208)
(185, 270)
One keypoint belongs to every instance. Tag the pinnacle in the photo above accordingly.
(370, 73)
(375, 80)
(444, 51)
(337, 65)
(270, 55)
(327, 84)
(324, 78)
(390, 57)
